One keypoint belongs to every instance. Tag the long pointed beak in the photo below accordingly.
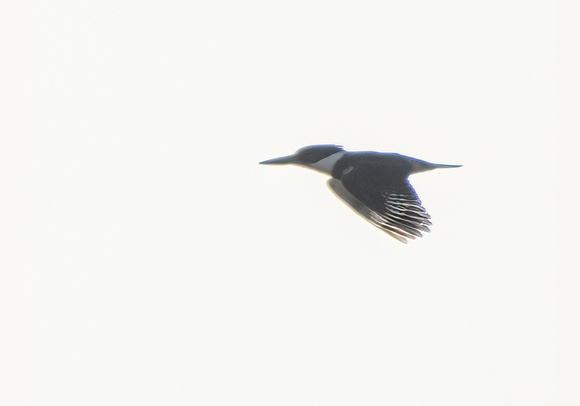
(290, 159)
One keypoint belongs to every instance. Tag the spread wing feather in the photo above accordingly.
(391, 205)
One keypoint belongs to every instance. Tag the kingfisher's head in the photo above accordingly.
(318, 157)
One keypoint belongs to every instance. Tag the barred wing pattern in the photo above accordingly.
(394, 208)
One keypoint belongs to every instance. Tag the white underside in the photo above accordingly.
(325, 165)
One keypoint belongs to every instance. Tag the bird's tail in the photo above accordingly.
(422, 166)
(435, 166)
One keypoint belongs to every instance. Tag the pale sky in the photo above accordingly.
(147, 259)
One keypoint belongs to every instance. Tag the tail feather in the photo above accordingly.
(445, 166)
(422, 166)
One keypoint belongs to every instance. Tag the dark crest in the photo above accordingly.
(314, 153)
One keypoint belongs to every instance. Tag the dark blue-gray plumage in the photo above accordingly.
(373, 184)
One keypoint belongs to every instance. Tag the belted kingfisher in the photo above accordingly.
(373, 184)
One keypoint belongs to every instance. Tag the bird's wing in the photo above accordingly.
(392, 206)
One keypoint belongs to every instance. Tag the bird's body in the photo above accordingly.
(373, 184)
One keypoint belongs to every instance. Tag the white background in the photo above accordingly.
(147, 259)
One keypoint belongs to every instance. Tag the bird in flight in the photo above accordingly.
(373, 184)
